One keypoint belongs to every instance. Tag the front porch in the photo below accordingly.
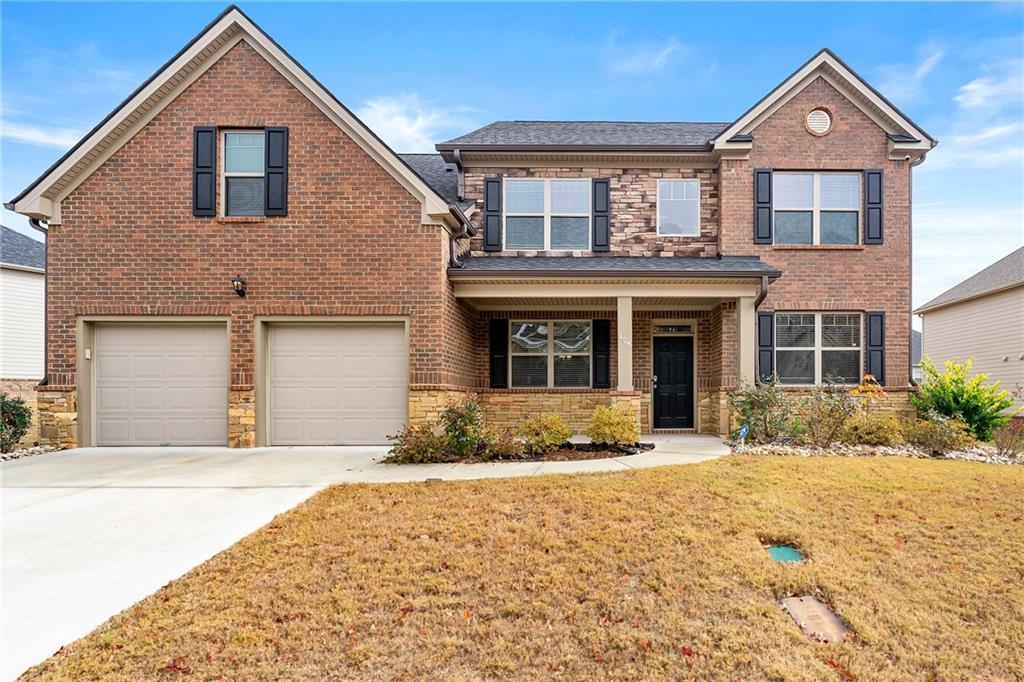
(667, 347)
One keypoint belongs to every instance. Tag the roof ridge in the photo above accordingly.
(581, 120)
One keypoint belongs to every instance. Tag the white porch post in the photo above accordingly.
(747, 349)
(624, 342)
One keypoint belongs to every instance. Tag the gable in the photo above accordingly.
(904, 137)
(42, 199)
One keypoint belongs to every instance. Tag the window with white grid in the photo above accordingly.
(816, 208)
(546, 354)
(817, 348)
(547, 214)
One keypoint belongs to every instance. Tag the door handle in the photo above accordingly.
(654, 382)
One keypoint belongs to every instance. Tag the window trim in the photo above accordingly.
(818, 348)
(550, 354)
(224, 174)
(816, 209)
(546, 214)
(657, 208)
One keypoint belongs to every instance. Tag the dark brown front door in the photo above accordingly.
(673, 382)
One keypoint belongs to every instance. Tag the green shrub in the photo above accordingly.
(15, 419)
(953, 394)
(422, 444)
(938, 434)
(827, 409)
(1009, 439)
(544, 432)
(764, 408)
(463, 427)
(868, 428)
(613, 426)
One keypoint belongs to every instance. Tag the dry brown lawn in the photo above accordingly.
(646, 575)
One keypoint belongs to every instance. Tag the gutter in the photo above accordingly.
(762, 293)
(37, 224)
(465, 230)
(503, 274)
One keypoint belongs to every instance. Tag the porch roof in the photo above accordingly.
(612, 266)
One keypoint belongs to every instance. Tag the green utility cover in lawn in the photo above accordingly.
(785, 554)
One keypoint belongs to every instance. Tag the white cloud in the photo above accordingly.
(1006, 86)
(645, 61)
(903, 83)
(409, 124)
(61, 138)
(992, 146)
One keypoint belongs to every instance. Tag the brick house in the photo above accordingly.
(235, 258)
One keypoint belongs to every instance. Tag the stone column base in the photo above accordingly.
(241, 418)
(58, 417)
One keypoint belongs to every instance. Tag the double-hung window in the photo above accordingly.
(547, 215)
(817, 208)
(816, 348)
(546, 353)
(244, 172)
(679, 208)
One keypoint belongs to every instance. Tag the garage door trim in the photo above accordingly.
(262, 336)
(86, 381)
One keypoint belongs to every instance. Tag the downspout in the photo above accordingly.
(454, 237)
(37, 224)
(762, 293)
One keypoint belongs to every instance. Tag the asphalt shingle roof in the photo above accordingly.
(1004, 272)
(589, 133)
(443, 177)
(18, 249)
(725, 266)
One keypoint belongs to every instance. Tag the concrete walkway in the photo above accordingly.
(87, 533)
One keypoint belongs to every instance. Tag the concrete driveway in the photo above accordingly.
(87, 533)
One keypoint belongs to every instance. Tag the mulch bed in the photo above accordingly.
(580, 451)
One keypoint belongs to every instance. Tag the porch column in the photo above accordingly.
(746, 319)
(624, 343)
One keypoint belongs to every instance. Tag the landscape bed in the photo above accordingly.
(658, 573)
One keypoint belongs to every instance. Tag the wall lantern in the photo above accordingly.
(239, 284)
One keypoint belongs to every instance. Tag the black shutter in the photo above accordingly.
(499, 353)
(765, 346)
(204, 171)
(873, 207)
(602, 353)
(875, 358)
(492, 214)
(600, 216)
(276, 184)
(762, 205)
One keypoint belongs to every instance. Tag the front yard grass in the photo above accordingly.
(646, 575)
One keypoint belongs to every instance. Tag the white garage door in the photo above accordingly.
(333, 384)
(161, 384)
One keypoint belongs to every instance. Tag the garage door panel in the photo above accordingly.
(161, 383)
(351, 385)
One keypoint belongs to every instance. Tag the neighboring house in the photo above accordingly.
(915, 356)
(982, 318)
(546, 266)
(22, 287)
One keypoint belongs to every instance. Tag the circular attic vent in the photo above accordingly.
(819, 121)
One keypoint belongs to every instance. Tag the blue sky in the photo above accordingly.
(421, 73)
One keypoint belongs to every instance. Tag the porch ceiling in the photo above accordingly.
(590, 303)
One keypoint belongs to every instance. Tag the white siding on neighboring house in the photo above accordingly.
(21, 324)
(989, 329)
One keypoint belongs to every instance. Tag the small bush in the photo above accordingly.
(954, 395)
(1009, 439)
(463, 427)
(764, 408)
(828, 408)
(613, 426)
(939, 434)
(422, 444)
(867, 428)
(544, 432)
(15, 419)
(501, 444)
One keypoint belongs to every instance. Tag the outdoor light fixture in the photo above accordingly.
(239, 284)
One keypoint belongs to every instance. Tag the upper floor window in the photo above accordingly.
(244, 172)
(817, 208)
(812, 348)
(545, 353)
(679, 208)
(548, 214)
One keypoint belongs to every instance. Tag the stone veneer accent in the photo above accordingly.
(241, 418)
(58, 417)
(26, 390)
(507, 408)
